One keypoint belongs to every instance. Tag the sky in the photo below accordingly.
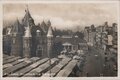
(64, 15)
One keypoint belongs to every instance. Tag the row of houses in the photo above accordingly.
(103, 37)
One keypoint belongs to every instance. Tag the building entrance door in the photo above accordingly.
(39, 51)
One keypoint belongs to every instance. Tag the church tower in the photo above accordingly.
(50, 42)
(16, 34)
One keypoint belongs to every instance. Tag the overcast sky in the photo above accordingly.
(63, 15)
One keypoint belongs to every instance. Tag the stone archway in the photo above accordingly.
(39, 51)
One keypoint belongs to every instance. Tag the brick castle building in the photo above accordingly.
(27, 39)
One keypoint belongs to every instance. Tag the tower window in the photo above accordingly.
(13, 41)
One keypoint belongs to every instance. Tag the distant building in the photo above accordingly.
(106, 39)
(27, 39)
(86, 34)
(72, 43)
(89, 35)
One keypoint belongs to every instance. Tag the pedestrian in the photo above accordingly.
(101, 74)
(87, 73)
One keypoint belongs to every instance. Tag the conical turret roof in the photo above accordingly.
(9, 31)
(27, 18)
(44, 27)
(27, 32)
(48, 23)
(17, 28)
(50, 32)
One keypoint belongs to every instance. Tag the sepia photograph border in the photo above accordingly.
(2, 2)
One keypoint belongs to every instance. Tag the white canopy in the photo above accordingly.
(66, 44)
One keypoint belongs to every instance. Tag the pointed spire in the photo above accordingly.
(17, 24)
(27, 31)
(44, 27)
(27, 17)
(9, 31)
(43, 23)
(50, 33)
(16, 28)
(49, 23)
(26, 12)
(27, 7)
(38, 24)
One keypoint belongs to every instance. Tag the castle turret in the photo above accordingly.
(7, 42)
(48, 23)
(44, 27)
(39, 50)
(27, 42)
(16, 34)
(50, 42)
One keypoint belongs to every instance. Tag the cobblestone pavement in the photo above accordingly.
(96, 66)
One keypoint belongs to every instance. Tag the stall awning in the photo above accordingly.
(66, 44)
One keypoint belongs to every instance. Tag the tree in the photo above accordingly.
(58, 47)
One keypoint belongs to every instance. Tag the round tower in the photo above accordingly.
(49, 42)
(17, 44)
(39, 48)
(27, 43)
